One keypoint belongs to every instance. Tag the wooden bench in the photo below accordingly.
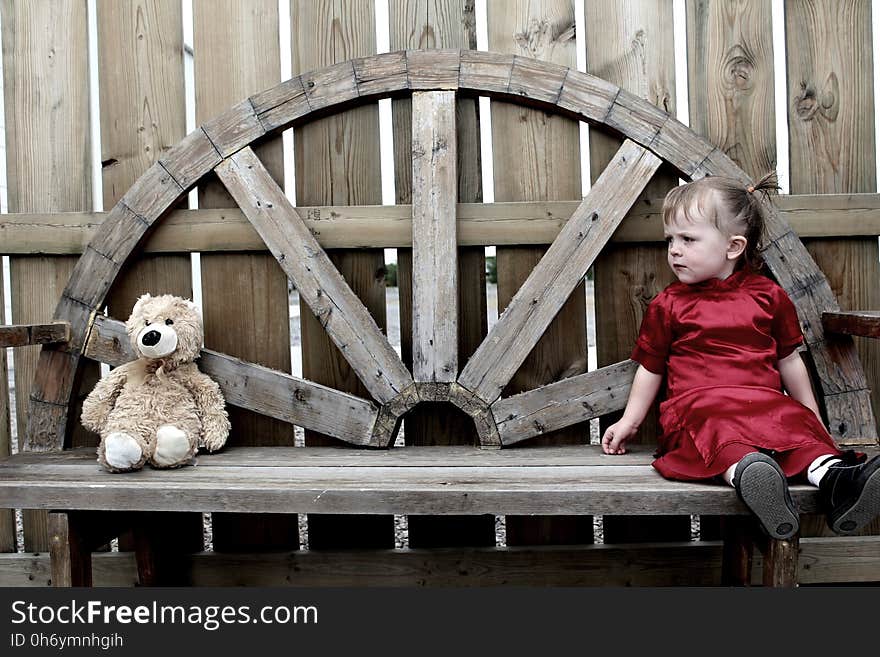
(533, 481)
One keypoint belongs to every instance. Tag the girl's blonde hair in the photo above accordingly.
(740, 212)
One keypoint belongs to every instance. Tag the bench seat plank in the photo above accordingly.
(407, 481)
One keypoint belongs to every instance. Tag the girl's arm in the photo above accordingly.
(796, 380)
(644, 389)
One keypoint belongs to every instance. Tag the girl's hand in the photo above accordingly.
(614, 440)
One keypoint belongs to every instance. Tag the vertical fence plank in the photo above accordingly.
(143, 113)
(7, 516)
(46, 82)
(730, 80)
(337, 162)
(831, 136)
(237, 53)
(637, 54)
(537, 157)
(442, 24)
(731, 95)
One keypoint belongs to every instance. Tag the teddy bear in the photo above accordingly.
(158, 409)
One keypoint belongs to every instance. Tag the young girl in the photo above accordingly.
(725, 338)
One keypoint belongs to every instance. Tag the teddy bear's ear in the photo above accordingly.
(193, 307)
(141, 300)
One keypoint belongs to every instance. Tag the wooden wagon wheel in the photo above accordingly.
(433, 78)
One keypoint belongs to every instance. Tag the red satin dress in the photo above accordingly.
(718, 343)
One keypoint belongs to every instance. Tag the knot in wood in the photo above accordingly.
(805, 105)
(826, 102)
(739, 70)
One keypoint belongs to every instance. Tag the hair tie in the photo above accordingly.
(750, 189)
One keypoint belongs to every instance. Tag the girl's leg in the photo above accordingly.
(810, 462)
(849, 486)
(762, 486)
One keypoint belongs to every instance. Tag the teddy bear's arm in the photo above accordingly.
(211, 406)
(101, 400)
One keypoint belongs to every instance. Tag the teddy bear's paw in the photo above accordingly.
(172, 447)
(121, 451)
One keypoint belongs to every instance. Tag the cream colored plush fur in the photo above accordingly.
(158, 409)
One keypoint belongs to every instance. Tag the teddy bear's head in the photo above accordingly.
(167, 328)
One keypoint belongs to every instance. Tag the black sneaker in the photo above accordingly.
(850, 493)
(762, 486)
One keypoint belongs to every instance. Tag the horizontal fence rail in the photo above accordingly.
(826, 216)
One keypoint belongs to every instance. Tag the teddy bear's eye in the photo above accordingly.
(169, 322)
(147, 323)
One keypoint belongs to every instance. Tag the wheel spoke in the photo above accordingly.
(563, 266)
(341, 313)
(257, 388)
(435, 252)
(564, 403)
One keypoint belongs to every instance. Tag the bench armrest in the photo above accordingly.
(22, 335)
(854, 322)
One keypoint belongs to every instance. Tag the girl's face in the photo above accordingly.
(698, 251)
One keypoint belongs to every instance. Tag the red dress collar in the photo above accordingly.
(731, 282)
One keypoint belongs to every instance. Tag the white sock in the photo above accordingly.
(728, 474)
(819, 467)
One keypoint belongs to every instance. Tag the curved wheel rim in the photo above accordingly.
(223, 144)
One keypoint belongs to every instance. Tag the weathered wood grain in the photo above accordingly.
(865, 323)
(21, 335)
(731, 85)
(435, 248)
(327, 488)
(431, 24)
(143, 117)
(381, 75)
(485, 71)
(638, 56)
(390, 226)
(343, 316)
(436, 68)
(694, 563)
(237, 54)
(256, 388)
(563, 403)
(70, 565)
(48, 148)
(7, 516)
(537, 157)
(337, 162)
(832, 150)
(563, 267)
(781, 563)
(730, 75)
(281, 105)
(234, 129)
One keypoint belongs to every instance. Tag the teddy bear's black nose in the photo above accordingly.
(151, 339)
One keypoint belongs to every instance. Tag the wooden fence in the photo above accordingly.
(336, 162)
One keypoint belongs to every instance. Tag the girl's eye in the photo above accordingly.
(669, 240)
(169, 322)
(688, 239)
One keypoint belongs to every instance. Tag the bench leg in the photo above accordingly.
(69, 551)
(161, 557)
(73, 536)
(739, 544)
(781, 562)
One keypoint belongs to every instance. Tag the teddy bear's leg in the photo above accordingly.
(120, 452)
(173, 447)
